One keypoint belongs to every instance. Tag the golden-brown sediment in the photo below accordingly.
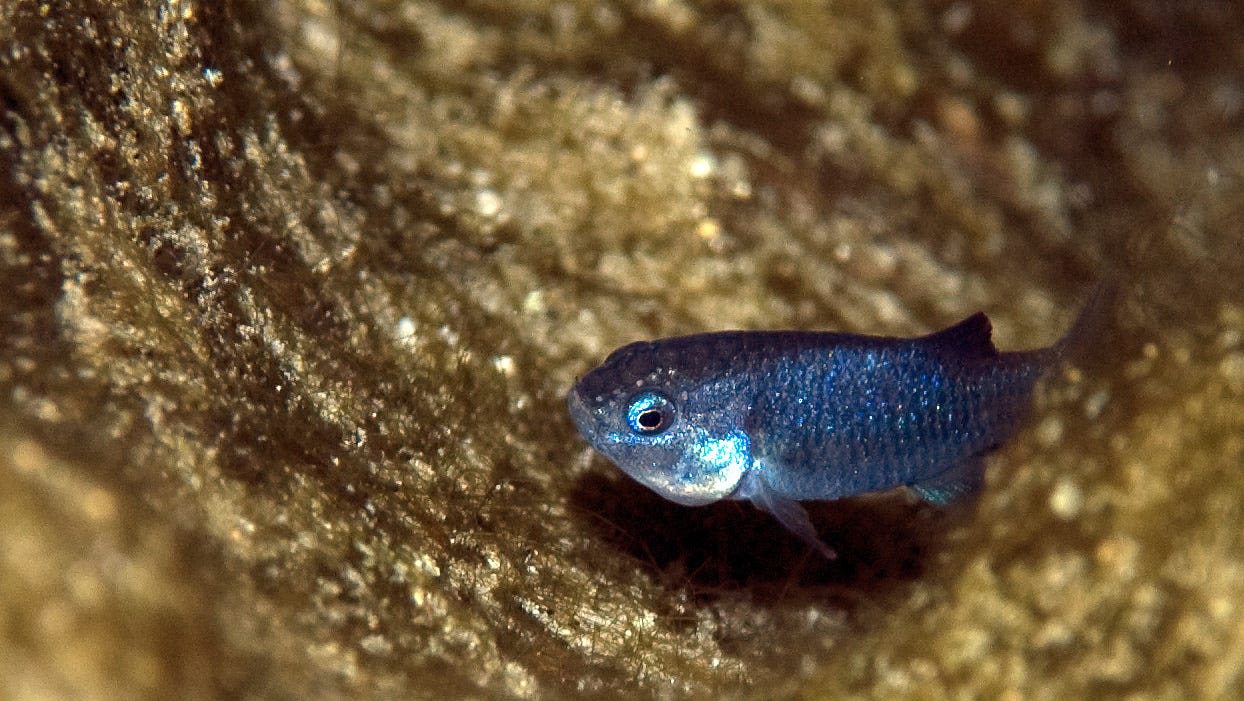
(292, 293)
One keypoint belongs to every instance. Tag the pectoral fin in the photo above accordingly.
(959, 482)
(790, 514)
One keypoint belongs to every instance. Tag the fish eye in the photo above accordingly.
(649, 413)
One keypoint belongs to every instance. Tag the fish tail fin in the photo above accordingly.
(1096, 315)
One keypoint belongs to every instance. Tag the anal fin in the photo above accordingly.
(959, 482)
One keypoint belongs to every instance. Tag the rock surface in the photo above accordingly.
(292, 293)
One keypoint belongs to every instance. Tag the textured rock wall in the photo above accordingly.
(292, 292)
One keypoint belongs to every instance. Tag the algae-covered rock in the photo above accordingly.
(292, 293)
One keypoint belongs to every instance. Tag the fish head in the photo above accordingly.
(675, 429)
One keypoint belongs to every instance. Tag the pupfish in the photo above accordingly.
(779, 417)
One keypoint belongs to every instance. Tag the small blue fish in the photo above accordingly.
(775, 417)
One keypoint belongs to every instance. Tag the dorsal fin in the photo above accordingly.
(971, 337)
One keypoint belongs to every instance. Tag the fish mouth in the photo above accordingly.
(580, 413)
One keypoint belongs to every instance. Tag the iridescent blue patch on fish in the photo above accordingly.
(776, 417)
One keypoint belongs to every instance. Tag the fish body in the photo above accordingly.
(778, 417)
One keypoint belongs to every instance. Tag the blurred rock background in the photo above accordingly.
(292, 292)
